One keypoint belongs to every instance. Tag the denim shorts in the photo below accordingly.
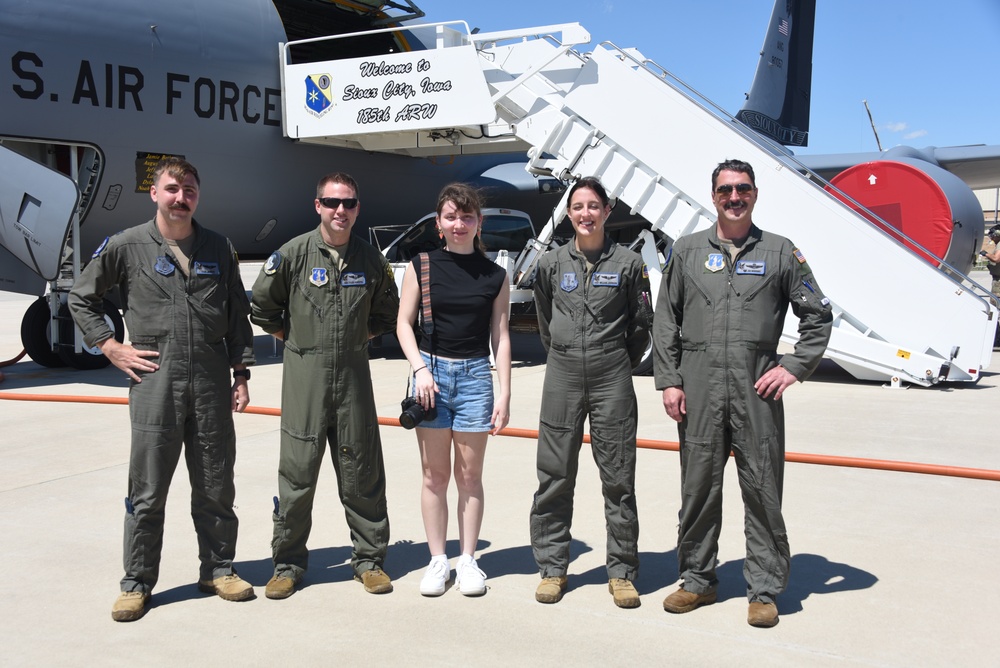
(465, 400)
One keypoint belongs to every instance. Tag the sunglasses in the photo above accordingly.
(741, 189)
(335, 202)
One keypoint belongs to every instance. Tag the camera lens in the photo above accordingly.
(412, 415)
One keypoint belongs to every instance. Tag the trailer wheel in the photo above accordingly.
(36, 337)
(91, 357)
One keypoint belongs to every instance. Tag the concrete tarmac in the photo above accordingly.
(888, 569)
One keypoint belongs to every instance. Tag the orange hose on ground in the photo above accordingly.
(532, 434)
(15, 360)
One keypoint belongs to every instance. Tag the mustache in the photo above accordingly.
(734, 205)
(180, 206)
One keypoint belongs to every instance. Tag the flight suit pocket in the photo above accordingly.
(356, 465)
(699, 460)
(151, 407)
(211, 311)
(614, 443)
(555, 448)
(152, 307)
(305, 331)
(611, 302)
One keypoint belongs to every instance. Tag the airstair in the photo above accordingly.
(654, 143)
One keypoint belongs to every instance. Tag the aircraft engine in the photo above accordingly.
(929, 205)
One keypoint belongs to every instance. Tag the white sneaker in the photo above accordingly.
(469, 579)
(435, 578)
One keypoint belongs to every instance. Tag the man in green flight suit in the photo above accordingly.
(325, 294)
(719, 316)
(186, 310)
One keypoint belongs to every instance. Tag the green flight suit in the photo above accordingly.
(199, 326)
(595, 328)
(327, 316)
(716, 331)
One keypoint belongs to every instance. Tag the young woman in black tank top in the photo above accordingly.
(469, 297)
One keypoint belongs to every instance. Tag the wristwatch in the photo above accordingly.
(241, 373)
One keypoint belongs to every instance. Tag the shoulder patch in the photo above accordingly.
(272, 263)
(100, 249)
(799, 256)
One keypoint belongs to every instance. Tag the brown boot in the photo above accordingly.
(624, 593)
(685, 601)
(550, 590)
(762, 615)
(229, 588)
(376, 581)
(129, 606)
(280, 586)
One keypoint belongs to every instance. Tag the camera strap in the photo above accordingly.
(426, 317)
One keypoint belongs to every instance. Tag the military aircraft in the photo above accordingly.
(924, 193)
(100, 91)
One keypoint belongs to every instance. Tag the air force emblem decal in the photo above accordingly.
(715, 262)
(319, 277)
(164, 266)
(319, 97)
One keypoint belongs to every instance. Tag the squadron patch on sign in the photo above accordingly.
(569, 282)
(352, 279)
(164, 266)
(318, 276)
(319, 95)
(715, 262)
(272, 263)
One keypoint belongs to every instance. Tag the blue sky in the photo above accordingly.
(929, 68)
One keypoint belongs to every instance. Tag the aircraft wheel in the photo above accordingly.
(36, 337)
(645, 366)
(91, 357)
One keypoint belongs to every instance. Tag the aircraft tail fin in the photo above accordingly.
(778, 103)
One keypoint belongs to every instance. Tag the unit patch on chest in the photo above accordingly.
(569, 282)
(606, 280)
(164, 266)
(753, 267)
(353, 278)
(715, 262)
(318, 276)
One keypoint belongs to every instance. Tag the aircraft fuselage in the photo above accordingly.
(199, 80)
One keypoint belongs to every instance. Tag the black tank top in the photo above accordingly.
(463, 288)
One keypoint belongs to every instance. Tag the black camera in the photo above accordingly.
(414, 413)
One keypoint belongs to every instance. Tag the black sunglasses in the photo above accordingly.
(335, 202)
(741, 189)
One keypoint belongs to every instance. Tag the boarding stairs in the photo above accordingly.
(654, 142)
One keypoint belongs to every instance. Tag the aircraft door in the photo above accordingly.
(36, 212)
